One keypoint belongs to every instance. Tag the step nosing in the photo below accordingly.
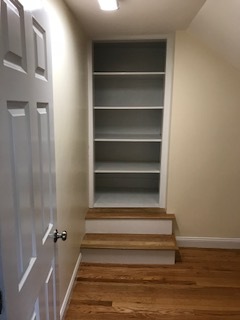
(130, 216)
(128, 234)
(132, 248)
(114, 209)
(129, 242)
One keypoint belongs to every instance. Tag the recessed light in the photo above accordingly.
(108, 5)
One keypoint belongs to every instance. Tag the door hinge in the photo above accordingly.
(1, 303)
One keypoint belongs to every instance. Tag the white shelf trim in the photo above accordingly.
(128, 73)
(166, 120)
(127, 167)
(129, 137)
(128, 107)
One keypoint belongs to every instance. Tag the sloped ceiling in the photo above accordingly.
(216, 22)
(135, 17)
(218, 25)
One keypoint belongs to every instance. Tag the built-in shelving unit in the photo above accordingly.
(129, 103)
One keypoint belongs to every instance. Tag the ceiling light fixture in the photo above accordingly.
(108, 5)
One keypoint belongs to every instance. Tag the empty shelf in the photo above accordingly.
(125, 167)
(128, 137)
(126, 198)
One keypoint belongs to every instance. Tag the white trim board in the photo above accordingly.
(123, 256)
(167, 119)
(209, 242)
(70, 287)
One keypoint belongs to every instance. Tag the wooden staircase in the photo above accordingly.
(129, 235)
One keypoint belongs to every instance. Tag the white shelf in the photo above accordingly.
(128, 73)
(128, 107)
(126, 198)
(127, 167)
(128, 137)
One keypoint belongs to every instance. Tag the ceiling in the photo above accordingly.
(135, 17)
(215, 22)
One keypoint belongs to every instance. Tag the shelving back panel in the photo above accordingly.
(130, 56)
(128, 121)
(121, 181)
(129, 90)
(127, 152)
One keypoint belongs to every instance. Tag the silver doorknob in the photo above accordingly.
(57, 235)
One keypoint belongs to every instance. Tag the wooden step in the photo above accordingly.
(129, 241)
(129, 235)
(128, 220)
(128, 213)
(129, 248)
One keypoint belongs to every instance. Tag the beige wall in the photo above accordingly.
(69, 47)
(204, 165)
(204, 171)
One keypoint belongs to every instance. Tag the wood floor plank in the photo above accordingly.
(193, 297)
(205, 285)
(147, 316)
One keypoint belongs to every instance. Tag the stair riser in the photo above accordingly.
(128, 256)
(129, 226)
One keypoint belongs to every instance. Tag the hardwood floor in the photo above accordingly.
(204, 285)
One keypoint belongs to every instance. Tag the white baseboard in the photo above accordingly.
(70, 287)
(209, 242)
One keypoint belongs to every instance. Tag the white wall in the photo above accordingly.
(204, 170)
(69, 48)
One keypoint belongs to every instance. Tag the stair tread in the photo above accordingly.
(129, 241)
(128, 213)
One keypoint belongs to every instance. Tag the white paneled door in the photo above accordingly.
(27, 187)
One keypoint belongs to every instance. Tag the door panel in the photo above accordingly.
(44, 307)
(45, 167)
(19, 133)
(40, 50)
(50, 295)
(14, 44)
(27, 196)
